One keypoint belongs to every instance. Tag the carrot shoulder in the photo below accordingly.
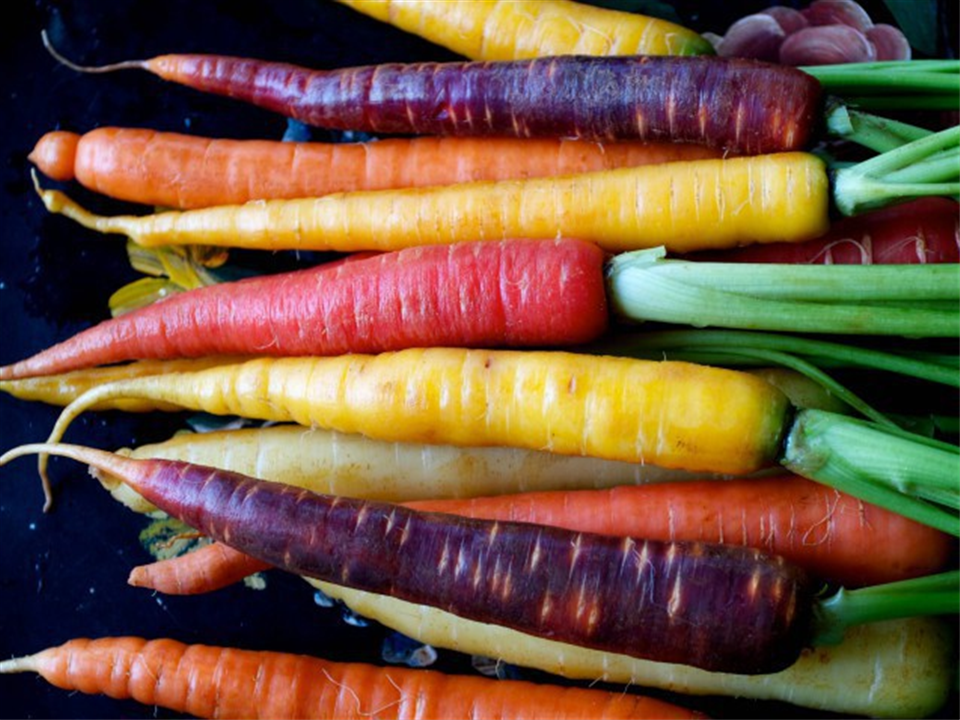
(182, 171)
(212, 682)
(531, 28)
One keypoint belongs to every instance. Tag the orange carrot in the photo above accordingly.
(213, 682)
(183, 171)
(833, 535)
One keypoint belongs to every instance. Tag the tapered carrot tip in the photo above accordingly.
(55, 155)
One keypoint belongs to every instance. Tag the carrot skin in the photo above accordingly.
(920, 231)
(648, 599)
(182, 171)
(833, 536)
(211, 682)
(479, 294)
(739, 105)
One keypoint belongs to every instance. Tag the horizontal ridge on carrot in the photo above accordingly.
(212, 682)
(183, 171)
(457, 295)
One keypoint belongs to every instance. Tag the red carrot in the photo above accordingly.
(217, 682)
(476, 294)
(832, 535)
(183, 171)
(920, 231)
(743, 106)
(671, 602)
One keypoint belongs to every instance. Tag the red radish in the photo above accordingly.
(534, 293)
(920, 231)
(827, 45)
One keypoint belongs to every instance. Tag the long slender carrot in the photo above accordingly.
(213, 682)
(684, 206)
(920, 231)
(485, 30)
(830, 534)
(183, 171)
(743, 106)
(896, 669)
(521, 293)
(664, 601)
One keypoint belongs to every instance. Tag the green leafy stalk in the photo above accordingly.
(862, 299)
(822, 353)
(909, 474)
(895, 84)
(901, 174)
(931, 595)
(871, 131)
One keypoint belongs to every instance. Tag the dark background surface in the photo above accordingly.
(62, 574)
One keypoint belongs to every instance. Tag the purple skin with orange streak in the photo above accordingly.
(718, 607)
(744, 106)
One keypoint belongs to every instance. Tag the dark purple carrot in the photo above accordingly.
(743, 106)
(717, 607)
(522, 292)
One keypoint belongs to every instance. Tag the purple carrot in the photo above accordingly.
(743, 106)
(718, 607)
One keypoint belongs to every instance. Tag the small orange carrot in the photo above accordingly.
(214, 682)
(833, 535)
(182, 171)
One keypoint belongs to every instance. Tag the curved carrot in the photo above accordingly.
(215, 682)
(183, 171)
(832, 535)
(658, 600)
(919, 231)
(482, 294)
(683, 206)
(743, 106)
(512, 29)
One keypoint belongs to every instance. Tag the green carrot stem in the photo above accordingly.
(867, 184)
(643, 285)
(931, 595)
(872, 131)
(902, 102)
(927, 84)
(942, 167)
(892, 468)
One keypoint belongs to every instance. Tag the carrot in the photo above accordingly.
(62, 389)
(683, 206)
(356, 466)
(896, 669)
(920, 231)
(742, 106)
(483, 30)
(182, 171)
(665, 601)
(458, 295)
(829, 534)
(672, 414)
(212, 682)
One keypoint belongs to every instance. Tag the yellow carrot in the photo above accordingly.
(684, 206)
(672, 414)
(515, 29)
(896, 669)
(64, 388)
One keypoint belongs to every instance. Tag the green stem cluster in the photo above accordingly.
(893, 84)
